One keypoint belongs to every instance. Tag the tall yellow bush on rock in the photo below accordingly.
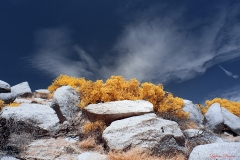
(231, 106)
(117, 88)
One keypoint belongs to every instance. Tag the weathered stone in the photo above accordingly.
(39, 117)
(190, 133)
(231, 121)
(214, 118)
(92, 156)
(4, 87)
(226, 150)
(195, 113)
(41, 93)
(146, 131)
(111, 111)
(7, 97)
(21, 89)
(65, 103)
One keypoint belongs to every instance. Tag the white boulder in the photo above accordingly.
(225, 150)
(195, 112)
(111, 111)
(214, 118)
(145, 131)
(4, 87)
(7, 97)
(65, 102)
(231, 121)
(21, 89)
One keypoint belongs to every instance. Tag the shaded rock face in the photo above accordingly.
(111, 111)
(195, 113)
(226, 150)
(145, 131)
(65, 103)
(214, 118)
(4, 87)
(231, 121)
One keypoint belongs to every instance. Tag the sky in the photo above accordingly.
(192, 47)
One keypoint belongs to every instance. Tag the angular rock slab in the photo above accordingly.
(145, 131)
(214, 118)
(40, 117)
(231, 121)
(92, 156)
(195, 112)
(4, 87)
(221, 151)
(65, 102)
(111, 111)
(21, 89)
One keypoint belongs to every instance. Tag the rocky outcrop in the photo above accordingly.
(111, 111)
(41, 93)
(195, 113)
(65, 103)
(226, 150)
(4, 87)
(214, 118)
(92, 156)
(146, 131)
(7, 97)
(231, 121)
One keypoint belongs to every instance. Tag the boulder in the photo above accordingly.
(191, 133)
(4, 87)
(231, 121)
(40, 118)
(214, 118)
(51, 148)
(92, 156)
(65, 102)
(225, 150)
(41, 93)
(145, 131)
(21, 89)
(111, 111)
(7, 97)
(8, 158)
(195, 112)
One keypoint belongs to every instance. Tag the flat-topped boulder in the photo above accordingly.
(225, 150)
(145, 131)
(41, 93)
(111, 111)
(4, 87)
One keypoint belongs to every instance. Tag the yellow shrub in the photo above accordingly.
(202, 108)
(1, 104)
(231, 106)
(93, 127)
(117, 88)
(13, 104)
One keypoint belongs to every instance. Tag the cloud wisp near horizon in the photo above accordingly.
(154, 47)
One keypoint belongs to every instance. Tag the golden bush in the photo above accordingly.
(1, 104)
(94, 127)
(232, 106)
(117, 88)
(14, 104)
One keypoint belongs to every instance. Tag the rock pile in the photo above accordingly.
(32, 129)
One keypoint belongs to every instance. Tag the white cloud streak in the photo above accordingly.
(153, 48)
(228, 73)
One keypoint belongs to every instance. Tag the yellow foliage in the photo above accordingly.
(202, 108)
(117, 88)
(1, 104)
(93, 127)
(231, 106)
(13, 104)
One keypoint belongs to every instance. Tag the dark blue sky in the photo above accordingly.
(181, 44)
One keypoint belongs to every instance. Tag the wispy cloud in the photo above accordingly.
(153, 47)
(55, 54)
(159, 48)
(228, 73)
